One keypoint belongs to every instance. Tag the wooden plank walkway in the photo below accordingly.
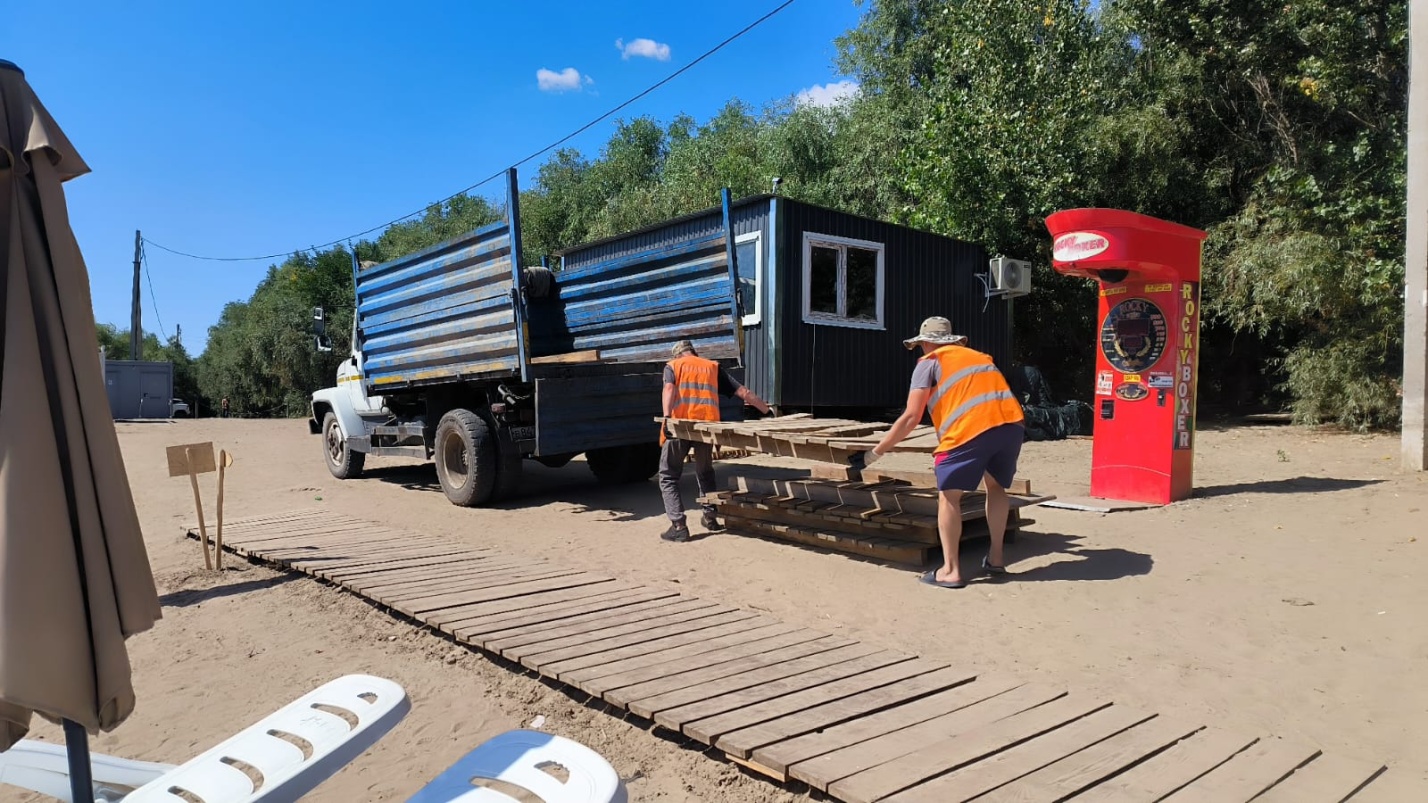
(858, 722)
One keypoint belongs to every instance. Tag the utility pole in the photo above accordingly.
(1415, 252)
(178, 333)
(136, 314)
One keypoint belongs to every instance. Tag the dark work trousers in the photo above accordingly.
(671, 468)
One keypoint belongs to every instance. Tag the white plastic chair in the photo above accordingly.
(517, 758)
(279, 759)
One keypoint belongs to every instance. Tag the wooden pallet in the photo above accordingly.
(859, 722)
(828, 440)
(882, 521)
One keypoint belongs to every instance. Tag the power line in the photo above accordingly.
(572, 135)
(153, 299)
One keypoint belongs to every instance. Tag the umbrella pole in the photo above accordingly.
(76, 742)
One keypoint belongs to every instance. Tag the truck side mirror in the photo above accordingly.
(319, 321)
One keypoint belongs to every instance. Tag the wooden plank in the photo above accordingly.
(811, 745)
(904, 552)
(1083, 768)
(710, 729)
(932, 760)
(425, 605)
(560, 613)
(1023, 760)
(407, 587)
(589, 355)
(1248, 773)
(649, 704)
(463, 588)
(823, 771)
(677, 708)
(474, 618)
(438, 558)
(1166, 772)
(682, 673)
(627, 636)
(368, 573)
(640, 622)
(322, 567)
(1326, 779)
(915, 478)
(558, 669)
(827, 712)
(650, 661)
(323, 545)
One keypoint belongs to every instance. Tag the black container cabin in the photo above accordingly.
(828, 297)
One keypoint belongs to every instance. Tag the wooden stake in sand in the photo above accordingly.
(224, 461)
(194, 459)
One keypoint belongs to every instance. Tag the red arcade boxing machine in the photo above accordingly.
(1147, 348)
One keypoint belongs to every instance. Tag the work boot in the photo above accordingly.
(711, 522)
(679, 533)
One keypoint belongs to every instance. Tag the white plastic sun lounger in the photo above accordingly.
(530, 761)
(279, 759)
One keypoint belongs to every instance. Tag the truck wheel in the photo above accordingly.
(344, 463)
(465, 458)
(617, 465)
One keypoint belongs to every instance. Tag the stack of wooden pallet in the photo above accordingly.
(886, 520)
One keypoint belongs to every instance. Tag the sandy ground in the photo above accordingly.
(1288, 597)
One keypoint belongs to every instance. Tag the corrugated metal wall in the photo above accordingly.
(925, 274)
(747, 216)
(139, 389)
(442, 314)
(632, 306)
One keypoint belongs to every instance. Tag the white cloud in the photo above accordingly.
(643, 48)
(830, 94)
(566, 80)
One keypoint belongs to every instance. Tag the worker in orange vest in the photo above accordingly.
(692, 387)
(980, 431)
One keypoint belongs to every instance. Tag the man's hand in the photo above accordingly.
(858, 461)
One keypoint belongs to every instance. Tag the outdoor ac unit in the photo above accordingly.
(1010, 277)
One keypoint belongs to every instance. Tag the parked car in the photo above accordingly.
(178, 408)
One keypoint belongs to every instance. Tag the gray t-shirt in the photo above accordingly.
(927, 374)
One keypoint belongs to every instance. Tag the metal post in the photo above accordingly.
(1415, 286)
(136, 322)
(76, 743)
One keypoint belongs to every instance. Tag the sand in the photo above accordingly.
(1287, 598)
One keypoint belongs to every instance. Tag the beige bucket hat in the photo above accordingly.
(935, 330)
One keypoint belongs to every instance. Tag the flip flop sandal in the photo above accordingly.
(930, 578)
(993, 569)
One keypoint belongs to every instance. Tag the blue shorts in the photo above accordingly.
(993, 452)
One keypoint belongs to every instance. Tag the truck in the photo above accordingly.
(464, 356)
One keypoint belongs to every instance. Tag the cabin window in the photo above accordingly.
(749, 257)
(842, 281)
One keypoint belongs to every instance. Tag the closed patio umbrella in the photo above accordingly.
(74, 575)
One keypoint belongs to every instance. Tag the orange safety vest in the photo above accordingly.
(971, 398)
(696, 385)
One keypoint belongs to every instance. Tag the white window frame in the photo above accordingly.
(811, 239)
(756, 317)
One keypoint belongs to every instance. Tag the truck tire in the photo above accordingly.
(344, 463)
(465, 457)
(618, 465)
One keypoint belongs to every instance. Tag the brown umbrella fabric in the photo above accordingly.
(74, 575)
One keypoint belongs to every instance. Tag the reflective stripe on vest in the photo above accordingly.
(696, 382)
(972, 397)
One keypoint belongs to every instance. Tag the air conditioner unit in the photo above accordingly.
(1010, 277)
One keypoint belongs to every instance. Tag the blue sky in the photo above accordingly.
(237, 129)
